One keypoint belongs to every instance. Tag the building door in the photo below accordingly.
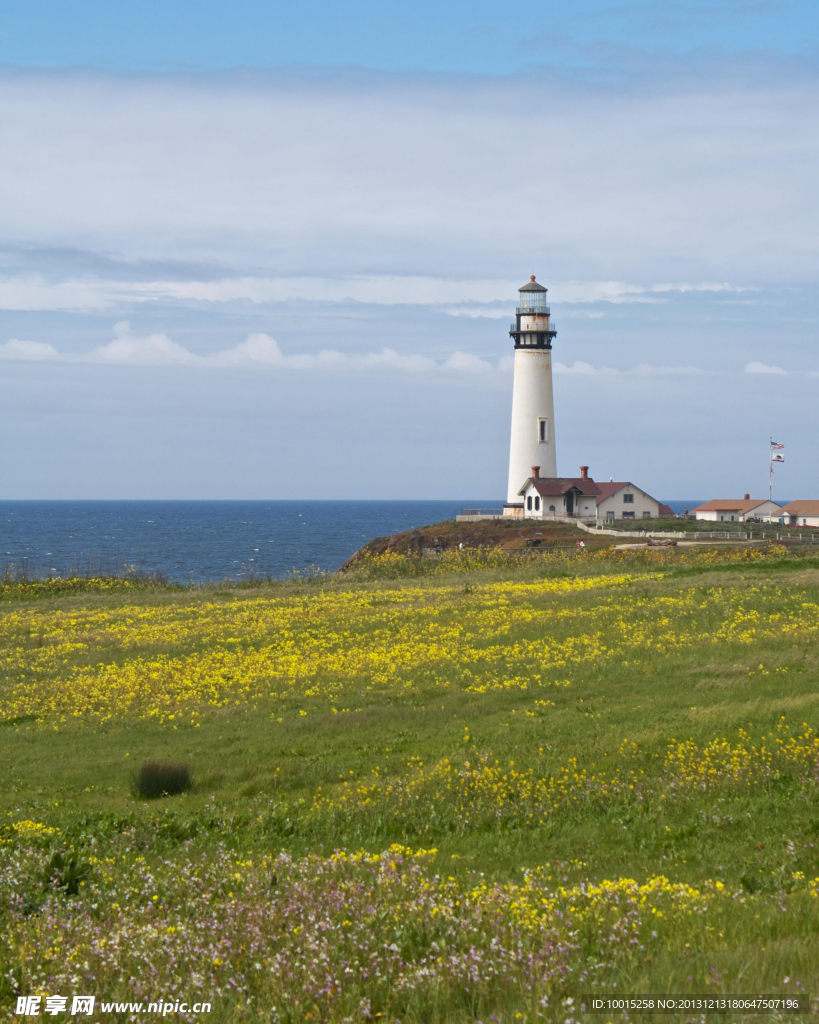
(569, 503)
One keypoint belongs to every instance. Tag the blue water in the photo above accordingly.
(201, 540)
(680, 507)
(205, 540)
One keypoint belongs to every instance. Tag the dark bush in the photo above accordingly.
(162, 778)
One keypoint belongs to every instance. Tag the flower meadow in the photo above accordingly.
(360, 936)
(476, 792)
(323, 648)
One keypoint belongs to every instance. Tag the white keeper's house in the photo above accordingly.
(583, 498)
(535, 491)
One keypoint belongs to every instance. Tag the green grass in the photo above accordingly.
(739, 531)
(280, 772)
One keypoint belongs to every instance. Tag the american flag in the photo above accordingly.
(775, 446)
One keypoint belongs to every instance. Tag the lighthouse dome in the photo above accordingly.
(533, 296)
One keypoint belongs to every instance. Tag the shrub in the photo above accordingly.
(64, 872)
(162, 778)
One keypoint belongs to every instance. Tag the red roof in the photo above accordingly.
(730, 505)
(611, 487)
(666, 510)
(548, 486)
(802, 507)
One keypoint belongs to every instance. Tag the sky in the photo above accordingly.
(253, 251)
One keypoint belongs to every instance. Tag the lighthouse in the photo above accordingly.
(533, 414)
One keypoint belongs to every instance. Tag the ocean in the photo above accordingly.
(200, 541)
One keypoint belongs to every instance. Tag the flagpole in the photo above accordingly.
(770, 471)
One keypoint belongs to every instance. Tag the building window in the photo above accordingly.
(529, 503)
(537, 504)
(646, 515)
(628, 499)
(628, 515)
(542, 429)
(551, 508)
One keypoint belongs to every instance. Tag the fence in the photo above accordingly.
(702, 534)
(474, 515)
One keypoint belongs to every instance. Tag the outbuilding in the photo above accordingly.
(804, 512)
(737, 510)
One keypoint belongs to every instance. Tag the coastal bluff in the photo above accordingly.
(507, 534)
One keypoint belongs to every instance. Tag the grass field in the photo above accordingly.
(741, 531)
(466, 789)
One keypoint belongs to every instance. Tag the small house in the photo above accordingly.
(737, 510)
(804, 512)
(559, 497)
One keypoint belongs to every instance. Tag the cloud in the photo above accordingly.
(339, 178)
(464, 362)
(756, 367)
(28, 351)
(580, 367)
(152, 350)
(35, 292)
(640, 370)
(260, 350)
(257, 350)
(619, 292)
(477, 297)
(646, 370)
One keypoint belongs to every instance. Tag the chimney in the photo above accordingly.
(584, 472)
(747, 497)
(535, 472)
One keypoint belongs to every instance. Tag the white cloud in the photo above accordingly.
(646, 370)
(580, 367)
(257, 350)
(640, 370)
(464, 362)
(260, 350)
(389, 357)
(756, 367)
(322, 178)
(478, 297)
(151, 350)
(28, 351)
(478, 312)
(618, 292)
(28, 292)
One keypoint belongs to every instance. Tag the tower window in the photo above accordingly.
(542, 429)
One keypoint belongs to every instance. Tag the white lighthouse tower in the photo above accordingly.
(533, 414)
